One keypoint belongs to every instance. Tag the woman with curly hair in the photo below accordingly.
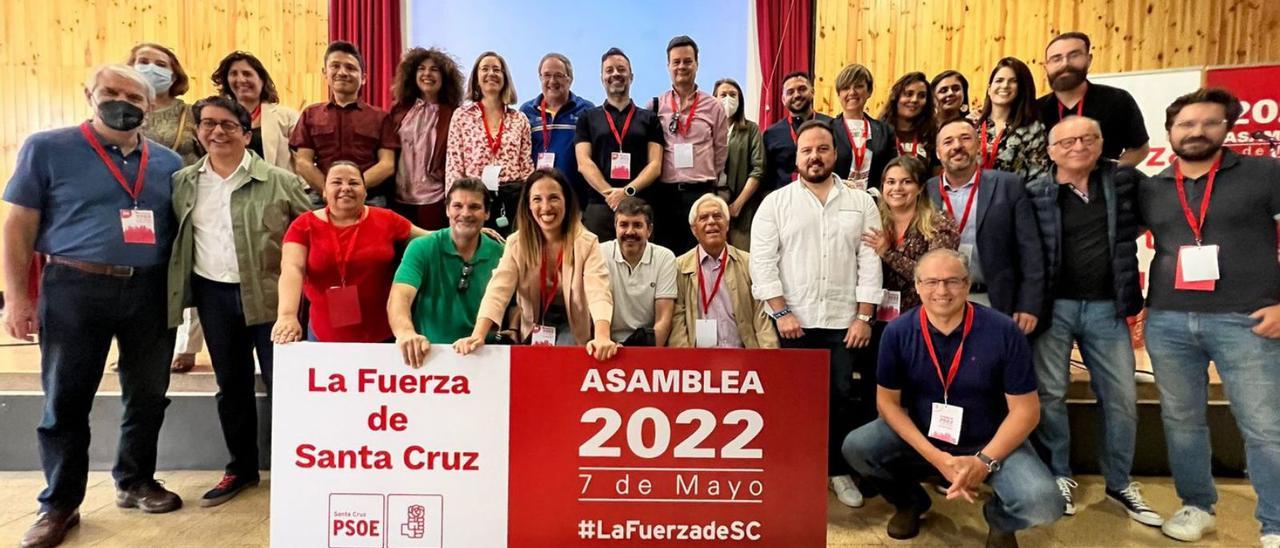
(427, 89)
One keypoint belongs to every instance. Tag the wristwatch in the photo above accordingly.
(863, 318)
(993, 465)
(629, 190)
(786, 311)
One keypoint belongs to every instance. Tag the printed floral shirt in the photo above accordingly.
(469, 151)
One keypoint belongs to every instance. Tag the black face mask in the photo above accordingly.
(120, 115)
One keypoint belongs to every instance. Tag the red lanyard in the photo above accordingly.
(702, 289)
(1079, 106)
(546, 127)
(683, 129)
(990, 150)
(933, 355)
(136, 189)
(1196, 227)
(554, 283)
(968, 206)
(915, 147)
(625, 125)
(859, 154)
(344, 254)
(257, 112)
(494, 143)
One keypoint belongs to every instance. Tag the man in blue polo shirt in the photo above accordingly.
(970, 428)
(95, 200)
(553, 119)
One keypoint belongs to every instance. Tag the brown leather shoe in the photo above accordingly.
(150, 497)
(50, 528)
(905, 523)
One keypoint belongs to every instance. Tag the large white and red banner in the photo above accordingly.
(1258, 88)
(524, 446)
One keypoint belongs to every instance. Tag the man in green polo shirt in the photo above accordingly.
(446, 272)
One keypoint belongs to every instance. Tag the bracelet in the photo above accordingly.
(786, 311)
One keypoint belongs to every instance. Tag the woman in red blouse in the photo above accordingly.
(343, 258)
(489, 140)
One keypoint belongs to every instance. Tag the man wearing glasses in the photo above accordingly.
(957, 400)
(1087, 210)
(553, 118)
(1067, 60)
(443, 276)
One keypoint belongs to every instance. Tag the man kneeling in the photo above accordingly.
(973, 434)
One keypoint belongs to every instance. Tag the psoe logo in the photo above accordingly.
(356, 520)
(417, 521)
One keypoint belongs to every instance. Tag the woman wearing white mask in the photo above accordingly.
(744, 167)
(171, 123)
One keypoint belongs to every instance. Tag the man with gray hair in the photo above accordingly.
(553, 119)
(95, 199)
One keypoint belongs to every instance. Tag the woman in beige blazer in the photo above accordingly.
(553, 265)
(242, 76)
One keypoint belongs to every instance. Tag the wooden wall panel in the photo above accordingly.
(893, 37)
(47, 48)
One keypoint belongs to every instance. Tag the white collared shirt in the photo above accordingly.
(215, 242)
(812, 254)
(636, 289)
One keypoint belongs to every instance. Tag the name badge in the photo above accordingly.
(707, 333)
(138, 226)
(944, 425)
(684, 155)
(490, 177)
(890, 306)
(620, 166)
(546, 160)
(860, 178)
(967, 251)
(344, 305)
(1197, 268)
(544, 335)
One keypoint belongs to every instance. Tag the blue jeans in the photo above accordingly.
(1181, 344)
(79, 315)
(1026, 495)
(1108, 353)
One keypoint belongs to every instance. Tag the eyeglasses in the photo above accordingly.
(548, 76)
(464, 282)
(228, 126)
(1189, 125)
(1069, 143)
(950, 283)
(1070, 57)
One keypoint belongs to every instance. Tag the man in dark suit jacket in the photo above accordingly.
(998, 230)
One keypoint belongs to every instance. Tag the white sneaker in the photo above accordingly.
(1065, 485)
(1270, 541)
(1131, 499)
(1188, 524)
(846, 492)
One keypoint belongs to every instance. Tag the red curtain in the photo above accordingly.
(374, 27)
(784, 34)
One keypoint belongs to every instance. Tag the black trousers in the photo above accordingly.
(232, 346)
(849, 407)
(671, 203)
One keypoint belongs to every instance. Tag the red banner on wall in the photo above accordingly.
(1257, 132)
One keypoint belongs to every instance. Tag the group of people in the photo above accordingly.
(457, 219)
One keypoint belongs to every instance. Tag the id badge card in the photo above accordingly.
(138, 226)
(684, 155)
(890, 306)
(706, 332)
(1197, 268)
(861, 177)
(546, 160)
(967, 251)
(344, 305)
(543, 335)
(490, 177)
(620, 166)
(944, 425)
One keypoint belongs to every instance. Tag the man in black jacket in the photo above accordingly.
(1087, 209)
(997, 226)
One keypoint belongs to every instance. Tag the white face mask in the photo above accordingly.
(161, 78)
(730, 104)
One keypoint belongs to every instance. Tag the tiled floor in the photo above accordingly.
(244, 521)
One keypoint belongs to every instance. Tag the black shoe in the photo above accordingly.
(1001, 539)
(229, 487)
(148, 496)
(50, 528)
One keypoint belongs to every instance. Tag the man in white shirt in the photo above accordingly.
(643, 276)
(820, 281)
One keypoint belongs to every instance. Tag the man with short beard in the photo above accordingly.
(780, 138)
(1215, 297)
(821, 282)
(1067, 60)
(643, 276)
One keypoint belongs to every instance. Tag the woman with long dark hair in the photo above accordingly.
(950, 91)
(909, 114)
(744, 166)
(243, 77)
(1013, 138)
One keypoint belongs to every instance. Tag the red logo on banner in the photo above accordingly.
(663, 447)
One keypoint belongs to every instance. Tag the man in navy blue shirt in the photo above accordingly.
(95, 200)
(957, 399)
(553, 119)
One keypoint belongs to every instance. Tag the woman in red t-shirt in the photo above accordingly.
(343, 258)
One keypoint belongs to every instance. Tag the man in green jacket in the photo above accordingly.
(232, 209)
